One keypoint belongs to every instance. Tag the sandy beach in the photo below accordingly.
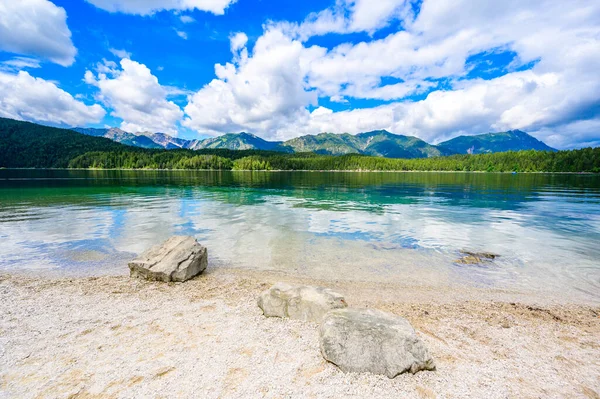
(116, 337)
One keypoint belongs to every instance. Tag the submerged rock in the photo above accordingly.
(473, 258)
(299, 302)
(372, 341)
(178, 259)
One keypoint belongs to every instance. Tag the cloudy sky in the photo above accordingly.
(196, 68)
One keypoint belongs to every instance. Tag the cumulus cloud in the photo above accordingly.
(135, 96)
(259, 93)
(25, 97)
(38, 28)
(149, 7)
(430, 54)
(238, 41)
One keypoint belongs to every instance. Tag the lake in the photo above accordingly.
(407, 228)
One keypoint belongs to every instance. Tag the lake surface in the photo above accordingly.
(390, 227)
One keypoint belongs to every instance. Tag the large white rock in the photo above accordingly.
(178, 259)
(299, 302)
(372, 341)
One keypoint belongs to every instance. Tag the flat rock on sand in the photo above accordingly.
(299, 302)
(372, 341)
(178, 259)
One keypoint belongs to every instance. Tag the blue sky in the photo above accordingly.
(196, 68)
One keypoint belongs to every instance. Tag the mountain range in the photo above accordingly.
(379, 143)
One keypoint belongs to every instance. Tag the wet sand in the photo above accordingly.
(112, 336)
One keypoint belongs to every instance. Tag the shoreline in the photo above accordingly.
(310, 170)
(113, 336)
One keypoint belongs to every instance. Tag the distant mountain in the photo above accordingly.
(380, 143)
(376, 143)
(29, 145)
(164, 140)
(238, 141)
(231, 141)
(120, 136)
(512, 140)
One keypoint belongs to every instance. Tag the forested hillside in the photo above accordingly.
(28, 145)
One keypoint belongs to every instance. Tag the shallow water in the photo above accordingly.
(391, 227)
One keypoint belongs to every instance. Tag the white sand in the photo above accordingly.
(116, 337)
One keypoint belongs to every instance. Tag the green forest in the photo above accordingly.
(584, 160)
(28, 145)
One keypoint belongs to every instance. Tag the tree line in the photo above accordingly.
(583, 160)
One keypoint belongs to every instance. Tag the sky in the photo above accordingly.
(435, 69)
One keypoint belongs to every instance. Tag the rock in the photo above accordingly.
(177, 259)
(473, 258)
(299, 302)
(469, 260)
(372, 341)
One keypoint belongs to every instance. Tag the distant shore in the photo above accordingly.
(311, 171)
(113, 336)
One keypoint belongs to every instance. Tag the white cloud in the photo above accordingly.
(583, 133)
(120, 53)
(149, 7)
(18, 63)
(25, 97)
(269, 89)
(348, 16)
(238, 41)
(261, 93)
(186, 19)
(36, 27)
(135, 96)
(181, 34)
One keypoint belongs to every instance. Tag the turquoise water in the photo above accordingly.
(392, 227)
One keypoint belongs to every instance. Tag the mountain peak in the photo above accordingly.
(374, 133)
(511, 140)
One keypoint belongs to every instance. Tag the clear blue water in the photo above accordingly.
(400, 227)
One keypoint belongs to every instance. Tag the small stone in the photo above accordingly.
(469, 260)
(481, 255)
(474, 258)
(299, 302)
